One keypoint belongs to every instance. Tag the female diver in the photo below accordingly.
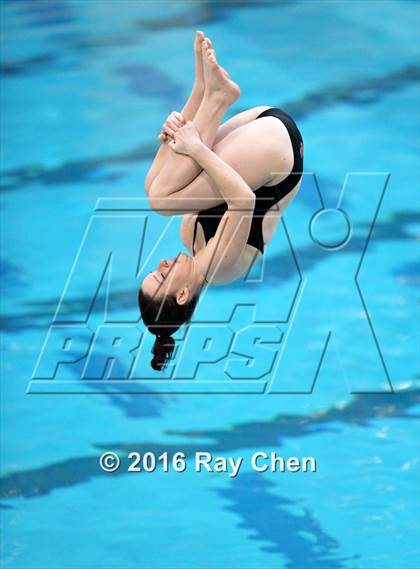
(232, 182)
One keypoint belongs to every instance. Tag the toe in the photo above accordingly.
(212, 55)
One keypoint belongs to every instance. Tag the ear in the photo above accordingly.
(183, 295)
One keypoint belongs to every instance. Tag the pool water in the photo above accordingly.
(85, 89)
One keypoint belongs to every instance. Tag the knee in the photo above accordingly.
(157, 195)
(159, 204)
(157, 189)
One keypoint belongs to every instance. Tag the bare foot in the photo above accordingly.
(208, 42)
(216, 79)
(198, 59)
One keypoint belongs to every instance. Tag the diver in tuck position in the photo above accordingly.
(230, 181)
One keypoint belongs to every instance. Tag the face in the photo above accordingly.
(171, 277)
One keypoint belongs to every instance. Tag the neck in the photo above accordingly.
(198, 276)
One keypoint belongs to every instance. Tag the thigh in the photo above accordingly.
(224, 129)
(238, 120)
(258, 150)
(253, 150)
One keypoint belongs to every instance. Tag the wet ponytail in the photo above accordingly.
(162, 352)
(163, 317)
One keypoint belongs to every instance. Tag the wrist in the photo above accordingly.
(196, 150)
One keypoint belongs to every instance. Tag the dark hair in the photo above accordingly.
(163, 317)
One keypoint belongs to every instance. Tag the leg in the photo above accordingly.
(220, 93)
(258, 151)
(188, 111)
(191, 106)
(238, 120)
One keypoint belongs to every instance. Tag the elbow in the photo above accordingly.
(252, 199)
(246, 203)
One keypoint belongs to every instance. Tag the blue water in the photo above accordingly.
(85, 88)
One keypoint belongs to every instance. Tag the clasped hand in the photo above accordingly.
(181, 137)
(186, 139)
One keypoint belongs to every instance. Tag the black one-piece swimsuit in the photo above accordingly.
(266, 197)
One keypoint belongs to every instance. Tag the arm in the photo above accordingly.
(251, 155)
(227, 245)
(223, 131)
(188, 112)
(224, 179)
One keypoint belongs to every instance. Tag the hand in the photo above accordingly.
(172, 124)
(186, 139)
